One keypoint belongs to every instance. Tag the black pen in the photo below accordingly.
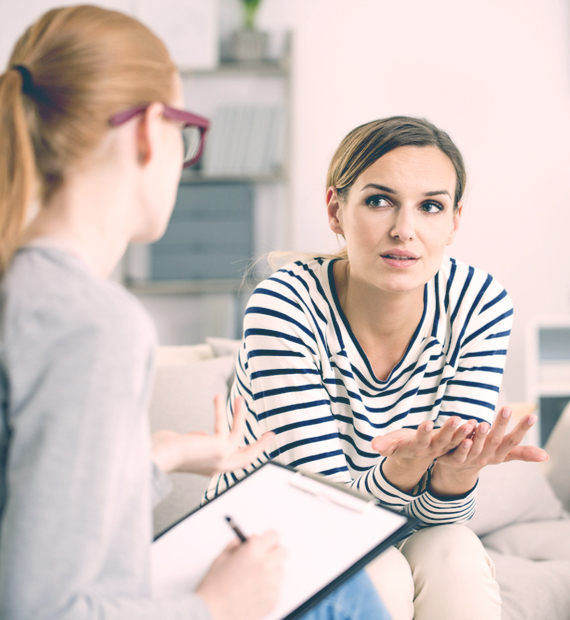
(236, 529)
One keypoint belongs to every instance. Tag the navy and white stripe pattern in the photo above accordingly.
(304, 376)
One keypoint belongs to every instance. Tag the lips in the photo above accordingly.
(399, 258)
(396, 257)
(399, 255)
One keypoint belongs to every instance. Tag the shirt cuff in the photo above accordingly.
(376, 483)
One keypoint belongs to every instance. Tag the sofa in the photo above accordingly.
(522, 516)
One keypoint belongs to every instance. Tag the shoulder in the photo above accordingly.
(301, 279)
(464, 287)
(48, 295)
(295, 302)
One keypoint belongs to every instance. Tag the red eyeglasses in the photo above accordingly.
(194, 129)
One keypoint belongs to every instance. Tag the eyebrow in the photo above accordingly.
(388, 190)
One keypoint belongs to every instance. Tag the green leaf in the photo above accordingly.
(250, 7)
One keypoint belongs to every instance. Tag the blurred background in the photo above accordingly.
(284, 86)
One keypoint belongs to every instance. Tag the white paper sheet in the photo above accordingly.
(323, 538)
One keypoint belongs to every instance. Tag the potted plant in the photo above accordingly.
(248, 43)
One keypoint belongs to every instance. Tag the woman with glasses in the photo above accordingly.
(90, 159)
(380, 367)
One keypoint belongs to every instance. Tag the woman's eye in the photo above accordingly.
(431, 207)
(377, 201)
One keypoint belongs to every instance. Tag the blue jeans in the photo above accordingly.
(356, 599)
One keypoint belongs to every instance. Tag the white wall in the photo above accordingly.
(494, 73)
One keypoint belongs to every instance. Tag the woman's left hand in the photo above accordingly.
(456, 472)
(202, 453)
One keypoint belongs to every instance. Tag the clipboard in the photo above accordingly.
(330, 533)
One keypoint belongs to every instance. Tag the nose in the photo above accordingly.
(404, 226)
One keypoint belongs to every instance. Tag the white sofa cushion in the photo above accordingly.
(535, 540)
(532, 590)
(224, 346)
(513, 492)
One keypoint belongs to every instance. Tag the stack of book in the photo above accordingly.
(244, 140)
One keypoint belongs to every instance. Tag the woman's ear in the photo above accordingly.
(456, 221)
(147, 132)
(333, 210)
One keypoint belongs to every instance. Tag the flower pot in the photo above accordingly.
(248, 45)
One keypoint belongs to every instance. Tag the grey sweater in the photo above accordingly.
(76, 363)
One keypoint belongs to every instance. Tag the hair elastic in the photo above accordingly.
(27, 81)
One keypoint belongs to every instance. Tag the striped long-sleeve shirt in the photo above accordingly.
(304, 376)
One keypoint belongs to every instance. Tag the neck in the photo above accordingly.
(383, 322)
(88, 217)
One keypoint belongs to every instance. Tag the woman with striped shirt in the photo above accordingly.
(381, 367)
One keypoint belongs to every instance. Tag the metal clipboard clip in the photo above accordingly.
(323, 489)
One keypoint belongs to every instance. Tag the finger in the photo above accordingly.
(238, 422)
(445, 438)
(400, 441)
(473, 425)
(220, 423)
(385, 446)
(234, 544)
(527, 453)
(479, 438)
(497, 432)
(465, 431)
(424, 434)
(267, 541)
(249, 453)
(514, 438)
(459, 455)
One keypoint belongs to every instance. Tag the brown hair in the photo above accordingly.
(68, 74)
(367, 143)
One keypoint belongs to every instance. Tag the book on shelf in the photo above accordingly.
(245, 140)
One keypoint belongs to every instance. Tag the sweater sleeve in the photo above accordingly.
(478, 355)
(279, 374)
(75, 538)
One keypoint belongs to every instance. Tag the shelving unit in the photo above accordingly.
(548, 371)
(221, 220)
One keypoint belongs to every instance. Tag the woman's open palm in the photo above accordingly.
(206, 454)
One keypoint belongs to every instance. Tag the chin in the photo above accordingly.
(149, 236)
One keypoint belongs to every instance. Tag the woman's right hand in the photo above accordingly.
(244, 581)
(410, 452)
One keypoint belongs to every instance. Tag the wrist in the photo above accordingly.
(404, 474)
(163, 453)
(448, 482)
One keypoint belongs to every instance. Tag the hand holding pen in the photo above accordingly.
(244, 581)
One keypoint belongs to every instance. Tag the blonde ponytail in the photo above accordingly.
(17, 165)
(70, 72)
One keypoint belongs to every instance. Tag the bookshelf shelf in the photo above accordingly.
(265, 68)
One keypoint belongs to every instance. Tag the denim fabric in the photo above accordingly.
(356, 599)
